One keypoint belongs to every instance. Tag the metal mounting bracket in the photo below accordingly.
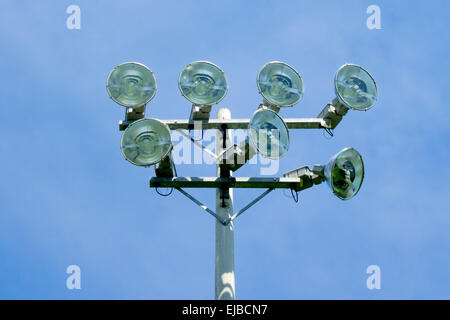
(234, 216)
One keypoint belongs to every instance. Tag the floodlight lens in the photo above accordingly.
(280, 84)
(203, 83)
(355, 87)
(146, 142)
(269, 134)
(131, 84)
(345, 173)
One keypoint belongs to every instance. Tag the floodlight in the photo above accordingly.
(203, 83)
(268, 133)
(131, 84)
(355, 87)
(280, 84)
(146, 142)
(345, 173)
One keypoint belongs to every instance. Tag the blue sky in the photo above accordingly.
(68, 196)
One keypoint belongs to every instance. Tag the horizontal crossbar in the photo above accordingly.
(292, 123)
(214, 182)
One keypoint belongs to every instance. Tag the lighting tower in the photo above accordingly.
(147, 141)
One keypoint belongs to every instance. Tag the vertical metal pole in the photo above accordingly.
(224, 263)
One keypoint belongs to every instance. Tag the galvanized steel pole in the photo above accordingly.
(224, 256)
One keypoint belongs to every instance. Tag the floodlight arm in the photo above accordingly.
(268, 105)
(166, 168)
(200, 112)
(135, 113)
(131, 115)
(307, 176)
(333, 113)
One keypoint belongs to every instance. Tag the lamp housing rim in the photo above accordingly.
(265, 98)
(141, 120)
(331, 169)
(338, 96)
(127, 105)
(214, 65)
(262, 109)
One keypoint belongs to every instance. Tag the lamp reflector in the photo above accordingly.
(355, 87)
(146, 142)
(269, 134)
(280, 84)
(131, 84)
(345, 173)
(203, 83)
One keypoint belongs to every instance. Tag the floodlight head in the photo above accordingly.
(268, 134)
(146, 142)
(131, 84)
(355, 87)
(280, 84)
(203, 83)
(345, 173)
